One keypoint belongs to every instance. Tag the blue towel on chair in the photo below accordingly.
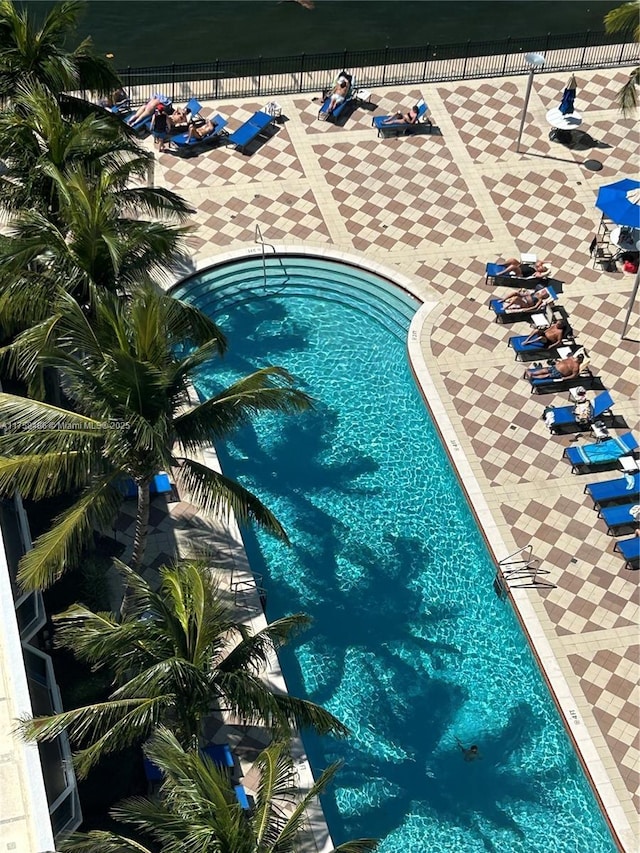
(605, 451)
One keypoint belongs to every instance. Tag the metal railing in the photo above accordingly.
(288, 75)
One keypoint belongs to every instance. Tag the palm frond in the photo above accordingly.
(221, 496)
(60, 547)
(106, 726)
(99, 841)
(624, 19)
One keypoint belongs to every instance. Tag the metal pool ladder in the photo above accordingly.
(520, 566)
(263, 243)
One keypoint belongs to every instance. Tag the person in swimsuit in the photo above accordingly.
(160, 127)
(537, 270)
(339, 93)
(470, 753)
(408, 118)
(524, 301)
(150, 107)
(563, 368)
(548, 338)
(204, 130)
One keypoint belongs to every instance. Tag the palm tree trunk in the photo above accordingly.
(142, 524)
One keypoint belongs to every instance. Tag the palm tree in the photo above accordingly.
(38, 50)
(38, 142)
(129, 386)
(97, 244)
(626, 19)
(175, 654)
(197, 809)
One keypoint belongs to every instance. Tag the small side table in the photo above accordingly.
(628, 464)
(600, 432)
(362, 95)
(273, 109)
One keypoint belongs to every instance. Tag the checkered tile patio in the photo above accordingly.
(437, 206)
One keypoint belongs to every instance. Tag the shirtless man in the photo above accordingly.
(549, 338)
(563, 368)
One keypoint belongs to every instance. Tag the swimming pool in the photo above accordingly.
(410, 646)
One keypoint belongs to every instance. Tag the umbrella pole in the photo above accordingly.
(632, 299)
(526, 104)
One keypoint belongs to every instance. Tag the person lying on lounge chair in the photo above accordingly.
(525, 301)
(537, 270)
(408, 118)
(562, 368)
(150, 107)
(115, 99)
(179, 117)
(199, 132)
(550, 337)
(338, 94)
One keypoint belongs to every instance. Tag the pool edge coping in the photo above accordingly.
(591, 762)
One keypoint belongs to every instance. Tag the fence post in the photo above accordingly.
(344, 59)
(584, 49)
(506, 55)
(217, 77)
(128, 78)
(259, 75)
(426, 60)
(622, 47)
(546, 44)
(384, 65)
(173, 81)
(301, 70)
(466, 57)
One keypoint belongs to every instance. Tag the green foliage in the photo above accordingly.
(196, 810)
(626, 19)
(38, 51)
(176, 653)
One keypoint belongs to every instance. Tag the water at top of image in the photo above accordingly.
(144, 33)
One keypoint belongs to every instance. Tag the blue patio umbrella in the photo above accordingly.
(614, 201)
(569, 96)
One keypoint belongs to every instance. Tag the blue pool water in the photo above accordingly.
(410, 646)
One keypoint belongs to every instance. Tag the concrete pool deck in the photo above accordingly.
(435, 207)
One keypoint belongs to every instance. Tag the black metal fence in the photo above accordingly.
(287, 75)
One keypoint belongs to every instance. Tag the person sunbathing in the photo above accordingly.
(537, 270)
(410, 117)
(548, 338)
(179, 117)
(339, 93)
(562, 368)
(525, 301)
(149, 108)
(200, 132)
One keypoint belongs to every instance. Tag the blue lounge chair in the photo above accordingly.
(384, 126)
(533, 350)
(182, 142)
(241, 796)
(600, 453)
(160, 485)
(618, 516)
(252, 128)
(624, 488)
(502, 316)
(219, 753)
(564, 416)
(630, 550)
(323, 112)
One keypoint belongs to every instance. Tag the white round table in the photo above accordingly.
(627, 239)
(562, 124)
